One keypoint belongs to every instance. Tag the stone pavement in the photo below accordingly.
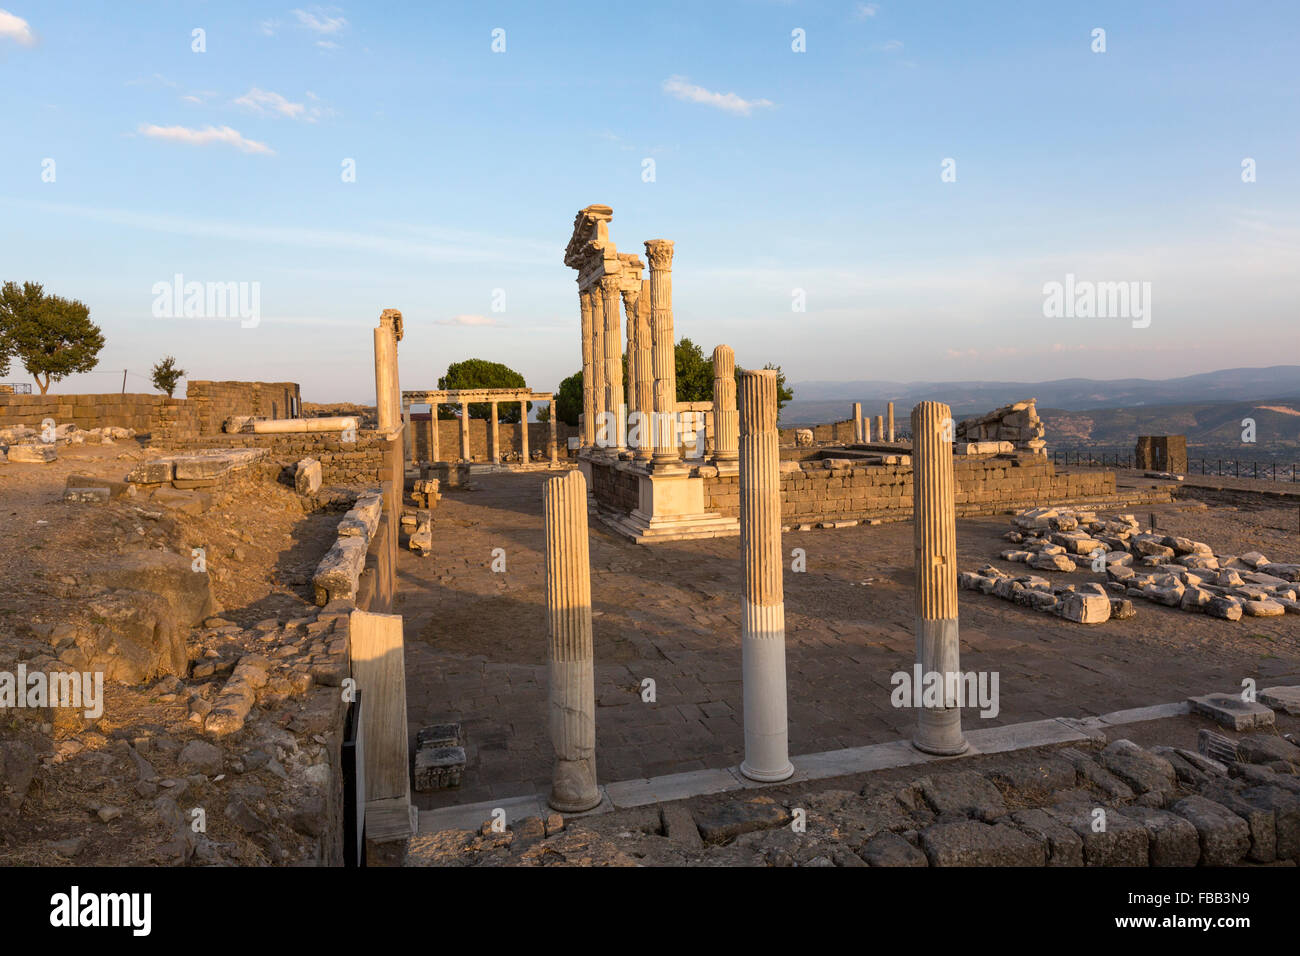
(476, 641)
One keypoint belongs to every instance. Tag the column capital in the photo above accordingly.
(660, 254)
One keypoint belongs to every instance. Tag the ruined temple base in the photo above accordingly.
(653, 507)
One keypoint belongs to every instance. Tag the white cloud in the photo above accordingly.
(320, 22)
(16, 29)
(205, 137)
(866, 10)
(268, 27)
(267, 103)
(891, 45)
(679, 87)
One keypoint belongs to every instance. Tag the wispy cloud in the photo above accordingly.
(472, 320)
(681, 88)
(268, 103)
(892, 46)
(865, 11)
(206, 137)
(320, 21)
(15, 28)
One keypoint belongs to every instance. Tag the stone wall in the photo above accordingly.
(342, 463)
(841, 432)
(216, 401)
(1017, 423)
(145, 413)
(615, 488)
(985, 485)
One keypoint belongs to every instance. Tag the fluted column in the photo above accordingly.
(659, 252)
(464, 431)
(630, 300)
(762, 635)
(523, 431)
(568, 607)
(890, 423)
(934, 517)
(880, 428)
(588, 372)
(598, 365)
(645, 377)
(857, 422)
(614, 398)
(496, 434)
(433, 433)
(726, 418)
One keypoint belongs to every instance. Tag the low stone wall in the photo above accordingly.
(342, 463)
(866, 491)
(615, 488)
(145, 413)
(834, 432)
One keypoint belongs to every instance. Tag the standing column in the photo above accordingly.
(857, 422)
(762, 635)
(496, 434)
(630, 299)
(433, 434)
(726, 419)
(645, 377)
(614, 400)
(568, 607)
(890, 433)
(866, 429)
(667, 450)
(554, 443)
(934, 519)
(880, 428)
(598, 366)
(588, 372)
(464, 431)
(523, 430)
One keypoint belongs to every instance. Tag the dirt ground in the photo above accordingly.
(261, 548)
(476, 639)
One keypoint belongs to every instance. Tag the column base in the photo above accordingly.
(767, 776)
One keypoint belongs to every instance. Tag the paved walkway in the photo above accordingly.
(476, 641)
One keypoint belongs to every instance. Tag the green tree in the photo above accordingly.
(568, 400)
(480, 373)
(52, 336)
(166, 375)
(694, 372)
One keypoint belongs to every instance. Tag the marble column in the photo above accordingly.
(554, 446)
(464, 431)
(880, 428)
(667, 450)
(386, 379)
(496, 433)
(890, 423)
(523, 431)
(866, 428)
(433, 433)
(762, 636)
(598, 366)
(630, 299)
(934, 519)
(857, 422)
(615, 404)
(568, 606)
(726, 418)
(588, 372)
(645, 377)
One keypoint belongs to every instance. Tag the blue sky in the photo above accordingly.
(821, 171)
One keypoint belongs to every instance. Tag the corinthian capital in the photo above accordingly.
(660, 254)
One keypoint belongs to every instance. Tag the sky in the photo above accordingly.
(913, 174)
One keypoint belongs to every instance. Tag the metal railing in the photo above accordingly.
(1271, 470)
(16, 388)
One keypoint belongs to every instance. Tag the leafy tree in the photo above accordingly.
(568, 400)
(166, 375)
(480, 373)
(52, 336)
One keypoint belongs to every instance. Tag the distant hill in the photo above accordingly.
(830, 401)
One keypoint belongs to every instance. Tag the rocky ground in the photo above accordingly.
(114, 587)
(1129, 801)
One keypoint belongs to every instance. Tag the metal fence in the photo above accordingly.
(1271, 470)
(16, 388)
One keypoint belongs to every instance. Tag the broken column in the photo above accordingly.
(667, 452)
(572, 681)
(857, 422)
(588, 372)
(890, 431)
(762, 635)
(726, 419)
(934, 517)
